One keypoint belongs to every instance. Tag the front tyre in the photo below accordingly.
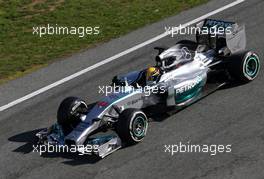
(245, 67)
(69, 113)
(132, 126)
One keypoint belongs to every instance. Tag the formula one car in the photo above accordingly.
(183, 74)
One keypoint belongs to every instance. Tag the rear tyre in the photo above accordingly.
(132, 126)
(245, 66)
(69, 113)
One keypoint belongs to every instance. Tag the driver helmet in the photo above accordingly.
(152, 74)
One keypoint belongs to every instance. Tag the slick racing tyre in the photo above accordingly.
(69, 113)
(245, 66)
(132, 126)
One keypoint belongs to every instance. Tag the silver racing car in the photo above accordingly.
(183, 74)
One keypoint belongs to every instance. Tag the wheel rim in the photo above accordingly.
(251, 67)
(139, 127)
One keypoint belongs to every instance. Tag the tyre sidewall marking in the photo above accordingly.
(76, 105)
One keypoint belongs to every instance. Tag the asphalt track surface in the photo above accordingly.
(229, 116)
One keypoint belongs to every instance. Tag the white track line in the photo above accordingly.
(68, 78)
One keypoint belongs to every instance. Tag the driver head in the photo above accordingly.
(152, 74)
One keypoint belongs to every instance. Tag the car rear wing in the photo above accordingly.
(223, 33)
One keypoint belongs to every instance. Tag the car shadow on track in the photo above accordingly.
(29, 139)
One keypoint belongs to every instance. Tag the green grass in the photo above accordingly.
(21, 51)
